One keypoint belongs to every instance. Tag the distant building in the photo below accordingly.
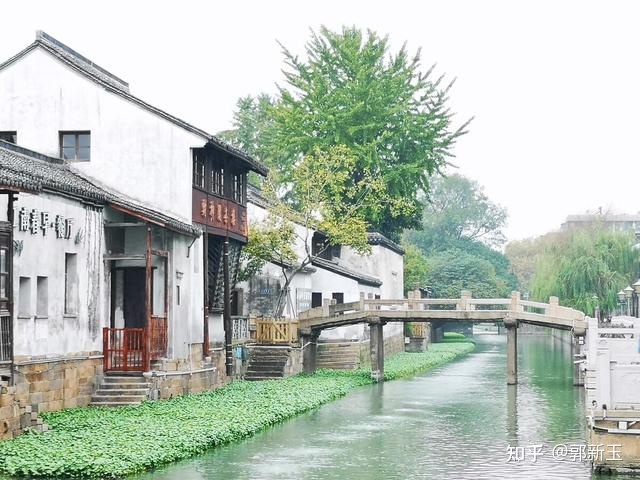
(617, 222)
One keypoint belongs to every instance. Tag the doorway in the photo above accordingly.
(133, 308)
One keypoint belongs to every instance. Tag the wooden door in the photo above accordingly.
(133, 307)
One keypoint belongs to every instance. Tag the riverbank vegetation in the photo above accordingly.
(456, 246)
(584, 267)
(454, 337)
(115, 442)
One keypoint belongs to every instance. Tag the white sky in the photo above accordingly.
(554, 85)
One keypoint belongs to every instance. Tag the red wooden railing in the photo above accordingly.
(132, 349)
(125, 349)
(157, 337)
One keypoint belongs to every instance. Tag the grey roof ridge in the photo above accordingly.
(377, 238)
(39, 42)
(102, 193)
(32, 154)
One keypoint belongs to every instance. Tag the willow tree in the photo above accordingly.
(586, 268)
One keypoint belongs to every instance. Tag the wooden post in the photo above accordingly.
(376, 344)
(228, 324)
(148, 307)
(205, 286)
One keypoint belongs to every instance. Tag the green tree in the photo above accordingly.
(462, 223)
(415, 268)
(253, 127)
(585, 268)
(525, 255)
(351, 90)
(458, 211)
(320, 182)
(451, 271)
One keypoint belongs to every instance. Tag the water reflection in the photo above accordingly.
(455, 422)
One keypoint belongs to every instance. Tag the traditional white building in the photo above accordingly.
(152, 260)
(336, 273)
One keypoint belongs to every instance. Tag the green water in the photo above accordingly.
(455, 422)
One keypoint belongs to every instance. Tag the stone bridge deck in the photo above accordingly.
(376, 313)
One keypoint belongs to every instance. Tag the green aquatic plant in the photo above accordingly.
(93, 442)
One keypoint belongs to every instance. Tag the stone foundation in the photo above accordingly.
(171, 378)
(416, 345)
(392, 345)
(44, 386)
(629, 450)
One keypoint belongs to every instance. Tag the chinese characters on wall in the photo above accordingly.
(38, 222)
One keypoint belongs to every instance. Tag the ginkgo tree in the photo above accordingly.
(351, 88)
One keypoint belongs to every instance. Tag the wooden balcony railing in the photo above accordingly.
(157, 337)
(283, 331)
(133, 349)
(125, 349)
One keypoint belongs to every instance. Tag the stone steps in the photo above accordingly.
(121, 390)
(267, 363)
(338, 355)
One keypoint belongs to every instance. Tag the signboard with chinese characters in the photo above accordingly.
(36, 222)
(221, 215)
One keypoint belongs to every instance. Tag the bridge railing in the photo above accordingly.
(526, 310)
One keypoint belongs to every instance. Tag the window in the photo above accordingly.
(70, 284)
(216, 182)
(11, 137)
(42, 296)
(320, 246)
(4, 275)
(316, 299)
(237, 187)
(198, 167)
(24, 293)
(338, 297)
(75, 146)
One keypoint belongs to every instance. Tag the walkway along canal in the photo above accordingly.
(453, 422)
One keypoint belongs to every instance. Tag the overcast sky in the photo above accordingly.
(554, 85)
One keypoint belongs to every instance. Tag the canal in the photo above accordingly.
(455, 422)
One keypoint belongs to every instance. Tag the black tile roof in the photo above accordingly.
(347, 272)
(25, 170)
(376, 238)
(119, 87)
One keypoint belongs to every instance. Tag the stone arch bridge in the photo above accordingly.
(511, 312)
